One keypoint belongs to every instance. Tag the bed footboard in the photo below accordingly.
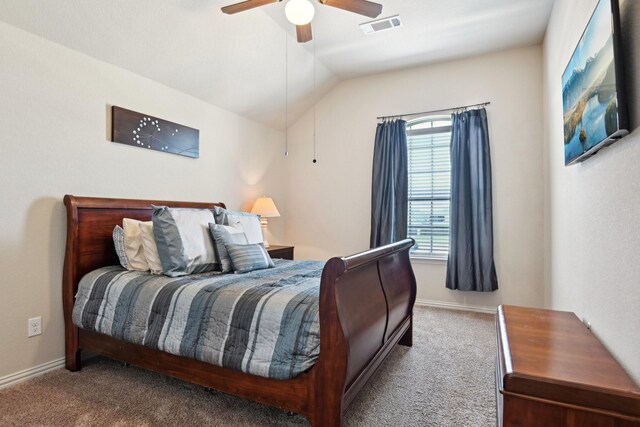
(366, 307)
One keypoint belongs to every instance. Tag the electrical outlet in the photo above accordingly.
(34, 326)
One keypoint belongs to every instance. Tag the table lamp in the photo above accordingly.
(265, 207)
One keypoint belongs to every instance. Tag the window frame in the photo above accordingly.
(432, 118)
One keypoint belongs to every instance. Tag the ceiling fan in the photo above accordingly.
(300, 12)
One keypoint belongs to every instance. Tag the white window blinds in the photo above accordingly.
(428, 141)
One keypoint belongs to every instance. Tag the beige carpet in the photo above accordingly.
(446, 379)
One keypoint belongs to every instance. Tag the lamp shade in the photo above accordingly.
(265, 207)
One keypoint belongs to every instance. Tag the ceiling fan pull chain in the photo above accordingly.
(315, 98)
(286, 94)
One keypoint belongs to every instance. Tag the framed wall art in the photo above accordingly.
(152, 133)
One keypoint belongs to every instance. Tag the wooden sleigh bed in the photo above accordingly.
(366, 308)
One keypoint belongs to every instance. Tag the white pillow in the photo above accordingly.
(150, 247)
(133, 247)
(183, 240)
(251, 226)
(249, 222)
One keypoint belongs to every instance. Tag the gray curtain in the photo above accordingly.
(390, 187)
(470, 266)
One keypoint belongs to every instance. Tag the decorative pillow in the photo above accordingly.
(223, 235)
(246, 258)
(183, 240)
(220, 214)
(133, 245)
(250, 222)
(150, 248)
(118, 243)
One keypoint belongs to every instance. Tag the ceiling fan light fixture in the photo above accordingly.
(299, 12)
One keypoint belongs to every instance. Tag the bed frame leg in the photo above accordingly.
(72, 349)
(72, 362)
(327, 417)
(326, 390)
(407, 338)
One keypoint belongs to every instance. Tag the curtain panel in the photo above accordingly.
(470, 266)
(390, 184)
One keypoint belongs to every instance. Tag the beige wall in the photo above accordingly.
(592, 209)
(328, 204)
(575, 229)
(53, 113)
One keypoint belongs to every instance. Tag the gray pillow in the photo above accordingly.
(220, 215)
(118, 243)
(223, 235)
(246, 258)
(183, 240)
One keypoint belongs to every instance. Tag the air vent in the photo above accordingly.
(383, 24)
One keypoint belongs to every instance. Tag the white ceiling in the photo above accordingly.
(238, 62)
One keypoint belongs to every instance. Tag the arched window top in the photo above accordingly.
(429, 122)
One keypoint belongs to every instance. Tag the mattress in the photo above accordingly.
(264, 323)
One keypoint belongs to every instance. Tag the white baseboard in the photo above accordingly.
(27, 374)
(456, 306)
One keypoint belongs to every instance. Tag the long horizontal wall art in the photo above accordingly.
(141, 130)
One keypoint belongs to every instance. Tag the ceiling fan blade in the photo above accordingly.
(304, 33)
(362, 7)
(246, 5)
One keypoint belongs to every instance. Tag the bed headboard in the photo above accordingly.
(90, 222)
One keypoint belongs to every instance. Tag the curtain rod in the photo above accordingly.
(482, 104)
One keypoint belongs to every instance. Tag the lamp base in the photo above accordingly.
(263, 227)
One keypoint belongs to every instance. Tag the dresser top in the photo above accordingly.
(552, 355)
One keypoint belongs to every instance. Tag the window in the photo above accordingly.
(428, 141)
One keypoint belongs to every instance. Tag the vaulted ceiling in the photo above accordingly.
(238, 62)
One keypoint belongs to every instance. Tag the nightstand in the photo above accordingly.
(284, 252)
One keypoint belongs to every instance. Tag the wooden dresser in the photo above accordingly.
(552, 371)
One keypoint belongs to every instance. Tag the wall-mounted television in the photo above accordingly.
(595, 112)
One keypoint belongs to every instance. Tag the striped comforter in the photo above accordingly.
(264, 323)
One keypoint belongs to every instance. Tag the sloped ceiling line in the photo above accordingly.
(237, 62)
